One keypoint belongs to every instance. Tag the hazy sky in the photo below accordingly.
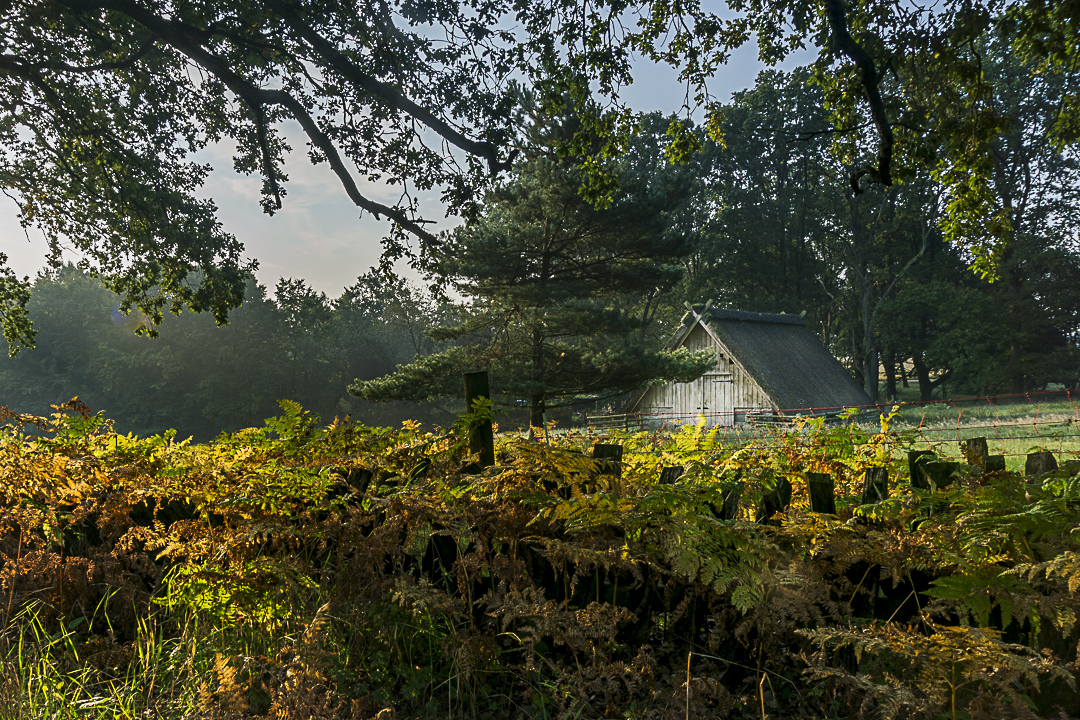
(317, 234)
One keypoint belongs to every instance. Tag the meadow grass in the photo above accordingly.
(1013, 427)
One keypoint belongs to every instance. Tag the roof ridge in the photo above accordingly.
(746, 316)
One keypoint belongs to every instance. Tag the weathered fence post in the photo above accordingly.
(822, 499)
(875, 485)
(609, 457)
(670, 474)
(939, 472)
(481, 434)
(1039, 463)
(976, 451)
(914, 459)
(775, 501)
(358, 479)
(730, 511)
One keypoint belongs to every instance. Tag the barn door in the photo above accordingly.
(715, 390)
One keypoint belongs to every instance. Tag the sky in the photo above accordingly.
(318, 235)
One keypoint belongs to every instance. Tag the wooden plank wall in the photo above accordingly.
(723, 394)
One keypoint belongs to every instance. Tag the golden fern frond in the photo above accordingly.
(1065, 568)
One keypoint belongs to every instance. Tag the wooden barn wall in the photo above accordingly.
(722, 394)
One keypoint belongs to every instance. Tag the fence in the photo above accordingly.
(1013, 425)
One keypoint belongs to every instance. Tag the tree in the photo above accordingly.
(786, 232)
(1020, 330)
(943, 319)
(201, 379)
(104, 102)
(765, 206)
(1038, 187)
(560, 293)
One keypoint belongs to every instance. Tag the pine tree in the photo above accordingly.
(561, 294)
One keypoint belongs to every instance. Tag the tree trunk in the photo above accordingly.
(537, 411)
(922, 372)
(536, 417)
(870, 351)
(481, 439)
(870, 373)
(1015, 364)
(889, 361)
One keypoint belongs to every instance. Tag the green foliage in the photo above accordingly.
(98, 148)
(14, 317)
(777, 228)
(957, 668)
(561, 295)
(199, 378)
(303, 570)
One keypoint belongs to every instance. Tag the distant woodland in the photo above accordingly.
(765, 220)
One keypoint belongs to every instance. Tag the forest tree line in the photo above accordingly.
(565, 302)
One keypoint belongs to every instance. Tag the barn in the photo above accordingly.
(766, 365)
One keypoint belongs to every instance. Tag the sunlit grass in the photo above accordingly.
(66, 675)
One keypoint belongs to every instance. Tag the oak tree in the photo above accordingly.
(104, 102)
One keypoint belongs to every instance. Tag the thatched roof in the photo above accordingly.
(782, 355)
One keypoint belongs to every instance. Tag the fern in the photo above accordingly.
(942, 668)
(1061, 570)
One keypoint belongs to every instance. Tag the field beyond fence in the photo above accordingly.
(1013, 425)
(810, 568)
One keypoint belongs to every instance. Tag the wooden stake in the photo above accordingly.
(1040, 463)
(670, 474)
(939, 472)
(876, 485)
(775, 501)
(481, 435)
(730, 511)
(822, 499)
(976, 450)
(610, 457)
(914, 459)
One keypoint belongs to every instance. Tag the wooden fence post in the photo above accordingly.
(609, 457)
(875, 485)
(358, 479)
(1039, 463)
(481, 435)
(914, 459)
(975, 449)
(730, 511)
(939, 472)
(822, 499)
(775, 501)
(670, 474)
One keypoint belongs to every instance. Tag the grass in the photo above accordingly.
(56, 675)
(1012, 425)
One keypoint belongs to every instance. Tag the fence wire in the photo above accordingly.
(1013, 425)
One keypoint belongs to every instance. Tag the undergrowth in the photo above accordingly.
(341, 571)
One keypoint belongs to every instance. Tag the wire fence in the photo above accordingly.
(1012, 425)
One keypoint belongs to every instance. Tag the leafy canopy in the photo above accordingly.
(105, 102)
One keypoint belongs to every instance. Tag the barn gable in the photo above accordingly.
(727, 391)
(765, 362)
(787, 360)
